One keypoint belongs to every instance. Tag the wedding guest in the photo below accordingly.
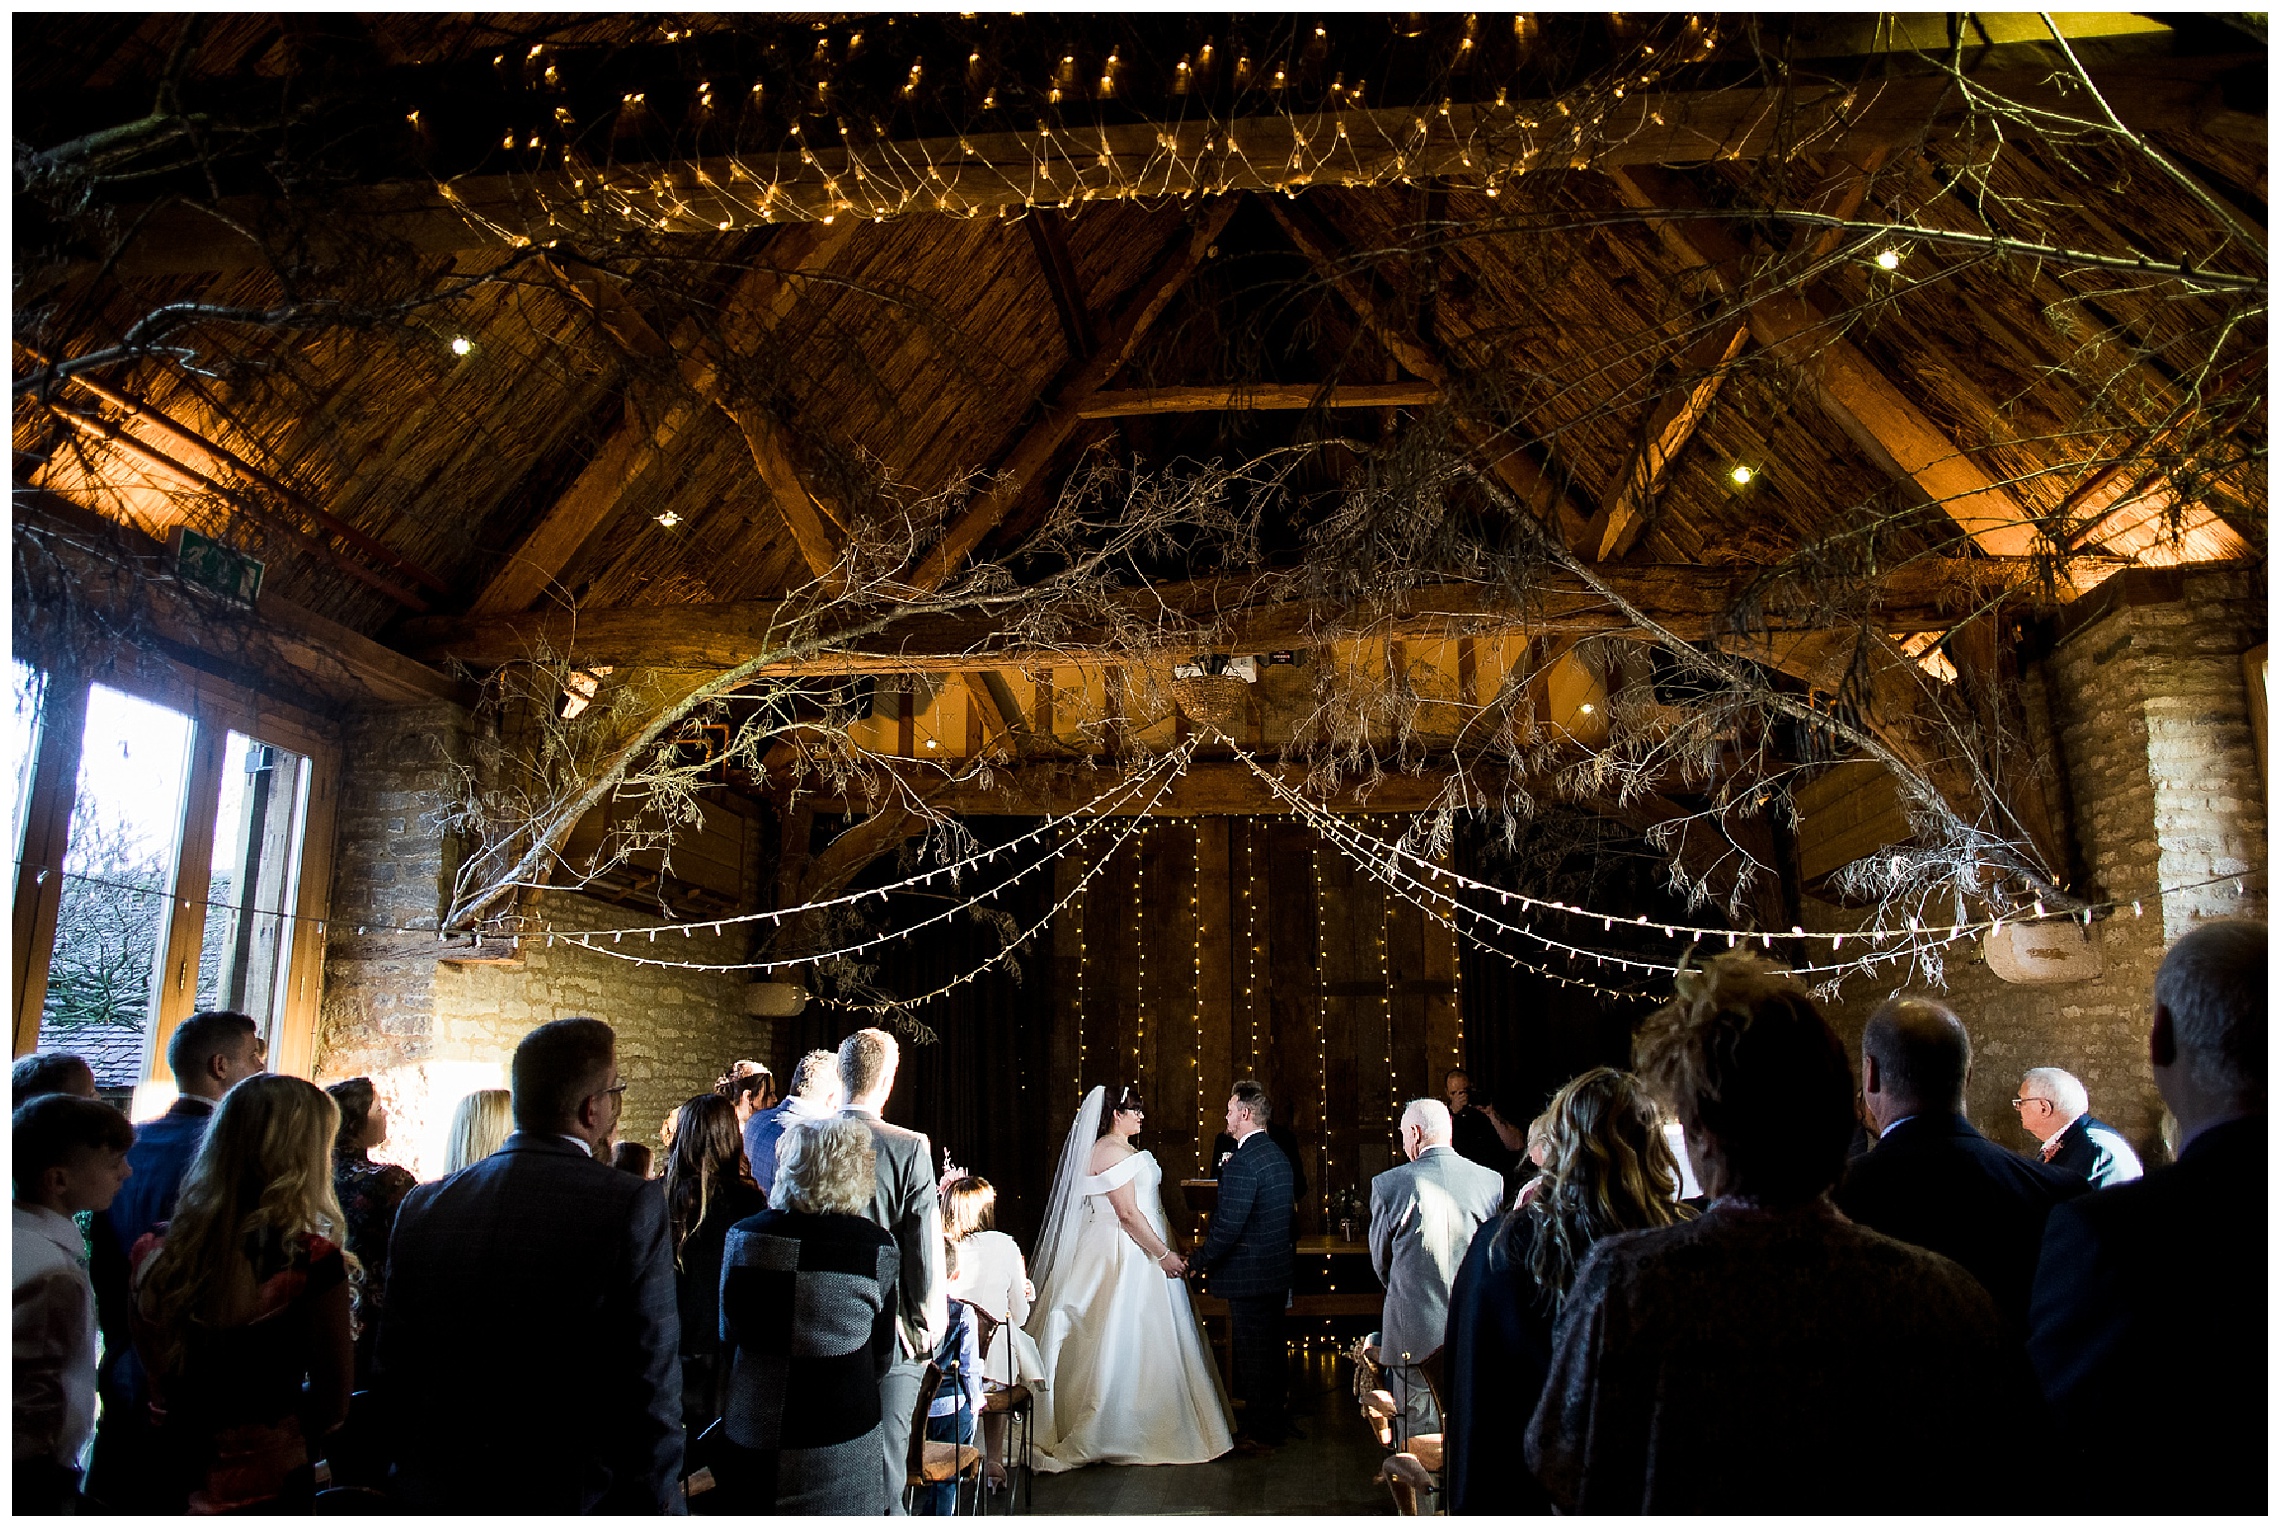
(36, 1076)
(529, 1361)
(1423, 1216)
(2158, 1288)
(1538, 1153)
(809, 1330)
(1605, 1168)
(955, 1411)
(1770, 1356)
(70, 1155)
(632, 1157)
(990, 1274)
(814, 1095)
(242, 1307)
(369, 1192)
(705, 1194)
(749, 1086)
(209, 1053)
(2054, 1108)
(1934, 1181)
(1472, 1128)
(905, 1204)
(480, 1125)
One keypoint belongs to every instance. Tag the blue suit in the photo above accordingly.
(1249, 1254)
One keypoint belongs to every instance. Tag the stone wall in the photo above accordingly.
(2150, 707)
(429, 1032)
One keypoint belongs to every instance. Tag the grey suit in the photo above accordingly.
(1422, 1218)
(529, 1362)
(906, 1207)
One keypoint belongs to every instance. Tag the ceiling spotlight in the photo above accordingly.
(1741, 475)
(461, 345)
(1888, 259)
(668, 519)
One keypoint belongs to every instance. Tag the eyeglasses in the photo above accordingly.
(2021, 1103)
(619, 1089)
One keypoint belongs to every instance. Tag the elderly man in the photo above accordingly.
(2055, 1109)
(1422, 1218)
(1932, 1179)
(2149, 1313)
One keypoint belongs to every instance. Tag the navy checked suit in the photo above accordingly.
(1249, 1255)
(529, 1362)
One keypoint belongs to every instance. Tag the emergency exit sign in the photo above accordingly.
(207, 564)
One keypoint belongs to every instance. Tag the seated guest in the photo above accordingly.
(528, 1363)
(1606, 1168)
(369, 1192)
(2150, 1304)
(1932, 1179)
(241, 1308)
(70, 1156)
(1423, 1216)
(814, 1095)
(632, 1157)
(956, 1409)
(991, 1276)
(479, 1126)
(1769, 1356)
(36, 1076)
(808, 1323)
(2055, 1109)
(705, 1194)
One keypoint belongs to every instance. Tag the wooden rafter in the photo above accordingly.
(1234, 397)
(1060, 271)
(1622, 515)
(1033, 452)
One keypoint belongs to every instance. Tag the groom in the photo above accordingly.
(1249, 1254)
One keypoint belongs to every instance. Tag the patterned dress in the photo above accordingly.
(369, 1195)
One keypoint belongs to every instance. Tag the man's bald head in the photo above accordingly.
(1918, 1055)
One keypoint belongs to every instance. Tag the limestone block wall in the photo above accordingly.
(427, 1032)
(2152, 730)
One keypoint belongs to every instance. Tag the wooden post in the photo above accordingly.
(175, 983)
(47, 826)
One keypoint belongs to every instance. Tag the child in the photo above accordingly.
(71, 1155)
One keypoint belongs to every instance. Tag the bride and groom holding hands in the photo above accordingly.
(1132, 1379)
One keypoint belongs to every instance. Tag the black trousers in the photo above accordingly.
(1261, 1365)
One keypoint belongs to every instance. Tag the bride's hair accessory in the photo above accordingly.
(1128, 1099)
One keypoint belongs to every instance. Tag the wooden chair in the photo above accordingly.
(929, 1463)
(1416, 1469)
(1013, 1401)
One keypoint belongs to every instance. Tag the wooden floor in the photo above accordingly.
(1330, 1472)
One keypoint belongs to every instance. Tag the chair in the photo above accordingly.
(929, 1463)
(1416, 1468)
(1013, 1401)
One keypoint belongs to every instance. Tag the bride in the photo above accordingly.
(1133, 1382)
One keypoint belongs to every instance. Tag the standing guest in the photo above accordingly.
(209, 1053)
(1717, 1365)
(2157, 1289)
(1934, 1181)
(632, 1157)
(70, 1155)
(529, 1359)
(1423, 1216)
(479, 1126)
(750, 1087)
(809, 1331)
(1606, 1168)
(1249, 1256)
(990, 1274)
(369, 1192)
(1539, 1152)
(905, 1205)
(2054, 1108)
(48, 1072)
(705, 1194)
(814, 1095)
(1472, 1128)
(241, 1308)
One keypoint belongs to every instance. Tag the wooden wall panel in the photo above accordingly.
(1293, 1032)
(1218, 974)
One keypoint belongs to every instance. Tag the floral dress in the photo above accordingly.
(370, 1193)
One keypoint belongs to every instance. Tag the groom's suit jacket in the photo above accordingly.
(1422, 1218)
(1249, 1250)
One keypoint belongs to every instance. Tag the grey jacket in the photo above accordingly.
(1422, 1218)
(905, 1207)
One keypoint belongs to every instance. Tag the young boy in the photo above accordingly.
(71, 1155)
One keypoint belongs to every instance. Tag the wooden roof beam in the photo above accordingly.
(1059, 268)
(1034, 450)
(1864, 402)
(1234, 397)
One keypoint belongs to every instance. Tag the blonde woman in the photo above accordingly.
(242, 1300)
(479, 1126)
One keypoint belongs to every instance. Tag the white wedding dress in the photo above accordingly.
(1132, 1379)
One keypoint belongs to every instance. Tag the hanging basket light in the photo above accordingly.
(1213, 699)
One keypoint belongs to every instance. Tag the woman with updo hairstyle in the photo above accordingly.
(369, 1194)
(1605, 1168)
(807, 1306)
(1769, 1355)
(241, 1307)
(705, 1194)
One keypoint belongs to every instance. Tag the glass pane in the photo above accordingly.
(248, 946)
(117, 873)
(23, 745)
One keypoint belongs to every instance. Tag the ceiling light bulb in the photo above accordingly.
(461, 344)
(1741, 475)
(1888, 260)
(668, 519)
(1587, 708)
